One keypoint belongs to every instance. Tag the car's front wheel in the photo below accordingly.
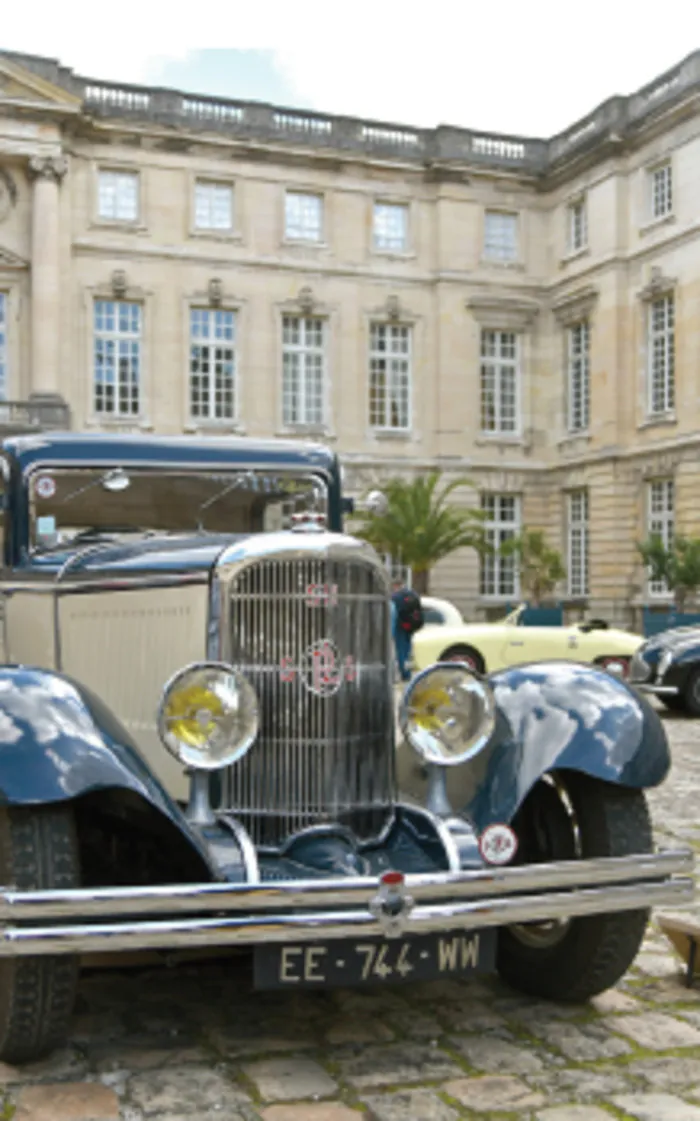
(675, 702)
(691, 693)
(465, 654)
(571, 816)
(616, 664)
(38, 849)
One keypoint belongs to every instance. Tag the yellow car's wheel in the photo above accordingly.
(465, 654)
(617, 664)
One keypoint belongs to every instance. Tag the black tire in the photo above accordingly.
(38, 849)
(691, 693)
(588, 955)
(464, 653)
(675, 703)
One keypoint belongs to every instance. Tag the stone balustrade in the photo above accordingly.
(615, 119)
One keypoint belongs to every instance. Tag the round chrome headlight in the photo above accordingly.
(447, 714)
(209, 716)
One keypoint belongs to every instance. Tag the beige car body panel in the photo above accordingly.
(505, 643)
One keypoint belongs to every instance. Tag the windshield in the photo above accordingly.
(70, 506)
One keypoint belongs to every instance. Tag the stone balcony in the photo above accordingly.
(614, 121)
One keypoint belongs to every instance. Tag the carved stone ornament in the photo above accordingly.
(393, 308)
(660, 466)
(215, 290)
(306, 300)
(508, 312)
(576, 305)
(119, 283)
(659, 285)
(48, 167)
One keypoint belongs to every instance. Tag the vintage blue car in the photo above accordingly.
(668, 666)
(198, 747)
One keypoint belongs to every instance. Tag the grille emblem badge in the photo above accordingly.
(322, 670)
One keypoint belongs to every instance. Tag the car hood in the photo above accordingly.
(678, 640)
(196, 553)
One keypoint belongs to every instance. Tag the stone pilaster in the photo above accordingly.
(46, 174)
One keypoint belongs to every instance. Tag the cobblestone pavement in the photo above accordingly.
(195, 1043)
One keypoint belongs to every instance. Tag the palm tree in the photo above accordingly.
(422, 525)
(541, 567)
(677, 565)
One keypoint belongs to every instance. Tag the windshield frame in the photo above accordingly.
(63, 467)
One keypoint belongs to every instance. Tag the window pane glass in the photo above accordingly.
(303, 370)
(118, 195)
(390, 376)
(498, 575)
(3, 346)
(390, 226)
(117, 358)
(500, 392)
(303, 216)
(212, 364)
(500, 236)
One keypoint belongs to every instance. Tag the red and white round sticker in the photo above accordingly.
(498, 844)
(45, 487)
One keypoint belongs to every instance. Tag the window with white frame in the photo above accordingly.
(213, 205)
(212, 364)
(303, 216)
(661, 190)
(390, 376)
(661, 355)
(500, 236)
(578, 376)
(303, 369)
(118, 196)
(499, 575)
(499, 382)
(390, 227)
(3, 346)
(577, 543)
(117, 328)
(577, 222)
(660, 521)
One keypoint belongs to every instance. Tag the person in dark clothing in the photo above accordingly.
(406, 618)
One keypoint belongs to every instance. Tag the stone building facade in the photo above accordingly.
(525, 312)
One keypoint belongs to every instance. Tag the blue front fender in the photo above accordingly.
(551, 716)
(562, 715)
(58, 741)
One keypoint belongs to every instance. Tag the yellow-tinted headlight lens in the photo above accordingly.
(447, 714)
(208, 716)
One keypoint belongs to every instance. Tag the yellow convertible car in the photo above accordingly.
(491, 646)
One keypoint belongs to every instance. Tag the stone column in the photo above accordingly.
(46, 174)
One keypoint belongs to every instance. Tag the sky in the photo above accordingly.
(528, 69)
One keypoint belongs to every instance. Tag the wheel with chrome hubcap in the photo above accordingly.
(570, 816)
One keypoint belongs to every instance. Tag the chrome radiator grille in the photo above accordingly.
(313, 637)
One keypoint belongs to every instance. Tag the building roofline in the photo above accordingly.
(614, 119)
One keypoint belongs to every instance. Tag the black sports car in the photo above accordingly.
(668, 665)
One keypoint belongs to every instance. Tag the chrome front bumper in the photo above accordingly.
(216, 914)
(656, 690)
